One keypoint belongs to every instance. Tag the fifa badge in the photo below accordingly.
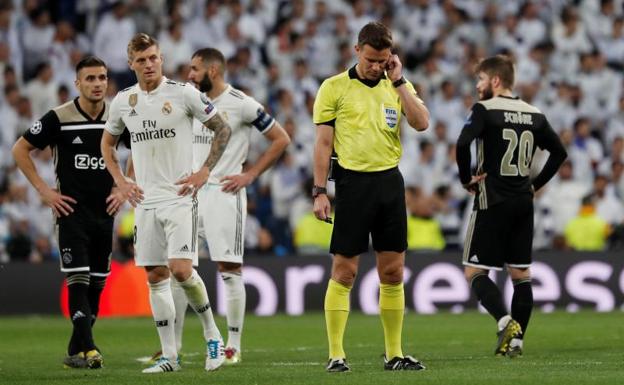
(391, 116)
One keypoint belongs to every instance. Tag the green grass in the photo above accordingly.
(457, 349)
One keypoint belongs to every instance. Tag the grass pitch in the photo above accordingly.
(561, 348)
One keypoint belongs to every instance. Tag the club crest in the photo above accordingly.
(67, 257)
(167, 108)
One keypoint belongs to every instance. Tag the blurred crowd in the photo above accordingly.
(569, 58)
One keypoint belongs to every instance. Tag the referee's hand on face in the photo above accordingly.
(394, 68)
(322, 207)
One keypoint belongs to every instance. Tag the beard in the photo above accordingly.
(487, 93)
(205, 85)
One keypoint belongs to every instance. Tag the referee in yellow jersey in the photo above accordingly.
(358, 115)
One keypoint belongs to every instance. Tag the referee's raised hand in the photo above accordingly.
(59, 203)
(394, 68)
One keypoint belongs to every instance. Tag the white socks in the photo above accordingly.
(503, 322)
(163, 311)
(516, 343)
(235, 313)
(198, 299)
(194, 286)
(181, 303)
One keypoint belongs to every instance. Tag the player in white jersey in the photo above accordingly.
(223, 200)
(159, 116)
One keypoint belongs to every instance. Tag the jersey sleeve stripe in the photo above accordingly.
(98, 126)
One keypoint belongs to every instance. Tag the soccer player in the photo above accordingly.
(159, 115)
(83, 201)
(358, 115)
(507, 131)
(223, 200)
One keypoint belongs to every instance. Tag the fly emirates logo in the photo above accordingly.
(150, 132)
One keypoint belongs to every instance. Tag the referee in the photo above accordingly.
(358, 115)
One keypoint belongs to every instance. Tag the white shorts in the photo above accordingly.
(165, 233)
(223, 217)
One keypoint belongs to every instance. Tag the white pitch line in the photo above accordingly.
(296, 363)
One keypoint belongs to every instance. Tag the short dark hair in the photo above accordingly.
(376, 35)
(499, 65)
(140, 42)
(210, 54)
(90, 61)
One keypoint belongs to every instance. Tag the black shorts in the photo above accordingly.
(85, 242)
(502, 234)
(369, 203)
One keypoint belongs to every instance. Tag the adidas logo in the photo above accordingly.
(77, 140)
(77, 315)
(132, 113)
(184, 248)
(474, 259)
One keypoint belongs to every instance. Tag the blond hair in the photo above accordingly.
(140, 42)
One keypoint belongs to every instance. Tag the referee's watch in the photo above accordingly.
(399, 83)
(318, 190)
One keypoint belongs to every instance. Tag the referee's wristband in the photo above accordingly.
(318, 190)
(398, 83)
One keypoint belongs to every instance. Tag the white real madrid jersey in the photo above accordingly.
(242, 113)
(160, 123)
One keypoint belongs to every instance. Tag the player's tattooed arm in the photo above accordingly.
(222, 132)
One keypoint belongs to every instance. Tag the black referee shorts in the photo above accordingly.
(369, 203)
(501, 234)
(85, 242)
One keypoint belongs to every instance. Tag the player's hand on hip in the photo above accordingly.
(59, 203)
(192, 183)
(322, 207)
(130, 191)
(473, 186)
(394, 68)
(233, 183)
(114, 201)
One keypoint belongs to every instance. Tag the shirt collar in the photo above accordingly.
(369, 83)
(155, 90)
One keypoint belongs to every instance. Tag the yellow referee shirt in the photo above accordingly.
(366, 117)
